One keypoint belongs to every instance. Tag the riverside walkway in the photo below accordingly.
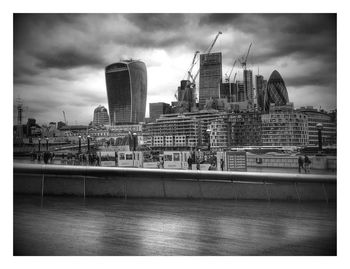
(55, 225)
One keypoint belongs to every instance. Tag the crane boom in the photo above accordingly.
(207, 52)
(234, 78)
(246, 57)
(64, 116)
(192, 65)
(229, 76)
(212, 45)
(244, 60)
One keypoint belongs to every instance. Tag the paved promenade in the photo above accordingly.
(109, 226)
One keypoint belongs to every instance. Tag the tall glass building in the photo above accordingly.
(210, 77)
(276, 91)
(126, 83)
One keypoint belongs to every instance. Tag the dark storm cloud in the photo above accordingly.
(155, 22)
(69, 58)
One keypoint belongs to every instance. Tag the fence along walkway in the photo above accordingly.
(138, 182)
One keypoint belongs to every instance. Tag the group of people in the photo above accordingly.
(46, 156)
(192, 159)
(82, 159)
(304, 163)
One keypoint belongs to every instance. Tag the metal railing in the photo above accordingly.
(143, 173)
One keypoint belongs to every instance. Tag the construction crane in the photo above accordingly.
(234, 78)
(64, 116)
(207, 52)
(229, 76)
(243, 61)
(212, 44)
(189, 72)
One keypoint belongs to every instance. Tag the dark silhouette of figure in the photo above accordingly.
(189, 161)
(300, 163)
(307, 162)
(222, 163)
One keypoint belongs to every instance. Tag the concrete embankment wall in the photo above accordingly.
(134, 187)
(318, 162)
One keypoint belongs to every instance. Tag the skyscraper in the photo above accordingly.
(100, 116)
(126, 83)
(276, 91)
(248, 86)
(210, 77)
(240, 91)
(261, 85)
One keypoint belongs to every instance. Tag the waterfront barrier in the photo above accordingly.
(157, 183)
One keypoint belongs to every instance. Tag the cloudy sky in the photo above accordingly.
(59, 60)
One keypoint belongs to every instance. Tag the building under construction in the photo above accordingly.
(180, 131)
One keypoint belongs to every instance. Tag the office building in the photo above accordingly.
(126, 83)
(329, 130)
(210, 77)
(261, 87)
(186, 97)
(229, 91)
(244, 129)
(157, 109)
(100, 116)
(248, 86)
(276, 91)
(282, 126)
(240, 91)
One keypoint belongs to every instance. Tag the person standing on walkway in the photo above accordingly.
(222, 163)
(307, 164)
(300, 163)
(189, 162)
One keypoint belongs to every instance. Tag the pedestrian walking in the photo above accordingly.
(189, 161)
(222, 163)
(307, 164)
(161, 162)
(300, 163)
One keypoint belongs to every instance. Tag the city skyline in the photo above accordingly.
(59, 60)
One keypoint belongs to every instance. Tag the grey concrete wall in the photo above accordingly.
(163, 188)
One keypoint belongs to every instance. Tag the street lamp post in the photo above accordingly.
(47, 143)
(319, 127)
(134, 137)
(88, 141)
(79, 137)
(208, 132)
(39, 140)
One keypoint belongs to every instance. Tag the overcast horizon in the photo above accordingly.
(59, 59)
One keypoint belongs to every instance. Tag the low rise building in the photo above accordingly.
(329, 130)
(284, 127)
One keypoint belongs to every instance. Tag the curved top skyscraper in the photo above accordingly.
(276, 91)
(126, 83)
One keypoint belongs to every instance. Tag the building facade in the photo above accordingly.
(244, 129)
(229, 91)
(248, 86)
(100, 116)
(210, 77)
(261, 87)
(284, 127)
(181, 131)
(329, 130)
(157, 109)
(126, 83)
